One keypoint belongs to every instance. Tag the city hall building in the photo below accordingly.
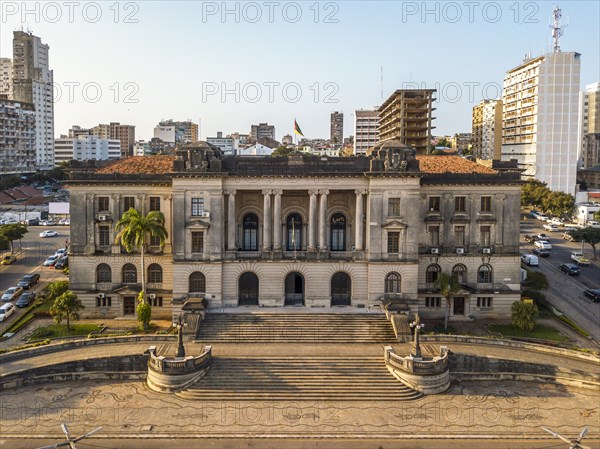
(303, 231)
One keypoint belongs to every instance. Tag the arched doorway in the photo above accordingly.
(248, 290)
(341, 289)
(294, 289)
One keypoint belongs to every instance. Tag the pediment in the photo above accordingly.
(395, 224)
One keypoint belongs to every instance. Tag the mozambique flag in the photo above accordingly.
(297, 129)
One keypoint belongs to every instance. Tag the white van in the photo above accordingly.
(6, 310)
(530, 259)
(593, 223)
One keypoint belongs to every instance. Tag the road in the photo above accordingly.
(566, 292)
(35, 250)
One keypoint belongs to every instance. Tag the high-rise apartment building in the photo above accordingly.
(407, 116)
(589, 125)
(32, 82)
(336, 128)
(540, 102)
(85, 147)
(6, 78)
(115, 131)
(366, 130)
(226, 144)
(487, 129)
(17, 137)
(261, 131)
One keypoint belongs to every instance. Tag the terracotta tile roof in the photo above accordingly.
(30, 191)
(152, 165)
(5, 198)
(17, 194)
(451, 164)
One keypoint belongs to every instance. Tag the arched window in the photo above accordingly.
(103, 273)
(250, 225)
(294, 232)
(485, 274)
(155, 274)
(129, 273)
(432, 273)
(338, 232)
(460, 271)
(393, 283)
(197, 282)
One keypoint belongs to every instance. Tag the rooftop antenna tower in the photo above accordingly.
(557, 28)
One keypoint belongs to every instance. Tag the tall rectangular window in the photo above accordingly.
(486, 233)
(393, 242)
(154, 240)
(197, 207)
(393, 207)
(460, 204)
(154, 203)
(434, 235)
(433, 301)
(128, 203)
(103, 204)
(486, 204)
(104, 235)
(434, 204)
(459, 235)
(197, 242)
(484, 302)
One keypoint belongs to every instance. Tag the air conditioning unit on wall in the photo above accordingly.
(152, 296)
(487, 250)
(460, 250)
(102, 217)
(435, 250)
(205, 214)
(101, 295)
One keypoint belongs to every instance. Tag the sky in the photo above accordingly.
(233, 64)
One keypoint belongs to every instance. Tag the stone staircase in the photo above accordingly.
(304, 378)
(295, 328)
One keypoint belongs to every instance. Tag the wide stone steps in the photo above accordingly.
(296, 328)
(303, 378)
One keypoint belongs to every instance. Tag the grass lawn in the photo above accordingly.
(60, 330)
(540, 332)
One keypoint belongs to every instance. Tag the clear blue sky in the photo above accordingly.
(179, 52)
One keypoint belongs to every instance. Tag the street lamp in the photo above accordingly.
(416, 347)
(179, 324)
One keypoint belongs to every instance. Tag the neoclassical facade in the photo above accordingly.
(300, 232)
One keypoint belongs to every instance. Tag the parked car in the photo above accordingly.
(48, 233)
(542, 217)
(541, 252)
(29, 280)
(47, 223)
(568, 237)
(534, 213)
(11, 294)
(26, 299)
(67, 222)
(593, 224)
(551, 227)
(530, 260)
(593, 294)
(570, 268)
(8, 259)
(530, 238)
(62, 263)
(542, 244)
(570, 228)
(577, 256)
(556, 221)
(542, 236)
(61, 252)
(50, 261)
(6, 310)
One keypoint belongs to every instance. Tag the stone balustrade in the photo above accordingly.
(424, 374)
(171, 374)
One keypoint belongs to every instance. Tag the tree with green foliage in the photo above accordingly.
(13, 232)
(443, 142)
(524, 315)
(448, 285)
(134, 231)
(597, 215)
(284, 151)
(4, 243)
(537, 194)
(66, 307)
(588, 235)
(536, 280)
(144, 311)
(55, 289)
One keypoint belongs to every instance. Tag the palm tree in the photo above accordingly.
(66, 307)
(524, 315)
(448, 286)
(134, 228)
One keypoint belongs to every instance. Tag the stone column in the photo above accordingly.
(141, 200)
(277, 220)
(168, 212)
(323, 220)
(115, 209)
(499, 226)
(267, 220)
(90, 201)
(231, 222)
(312, 220)
(358, 238)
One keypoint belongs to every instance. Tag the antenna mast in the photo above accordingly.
(557, 29)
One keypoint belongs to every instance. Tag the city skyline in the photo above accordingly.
(142, 97)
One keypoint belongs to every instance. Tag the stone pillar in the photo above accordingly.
(358, 238)
(231, 222)
(267, 220)
(312, 220)
(141, 200)
(498, 238)
(168, 212)
(323, 220)
(115, 208)
(90, 201)
(277, 220)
